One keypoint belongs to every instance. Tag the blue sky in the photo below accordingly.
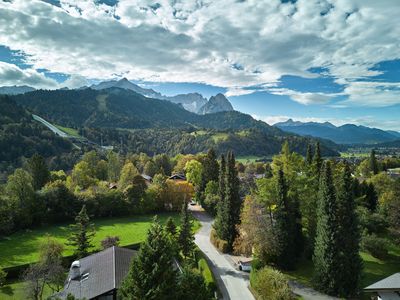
(310, 60)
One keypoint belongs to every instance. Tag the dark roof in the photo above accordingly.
(390, 283)
(105, 269)
(177, 176)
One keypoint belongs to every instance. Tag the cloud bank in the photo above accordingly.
(227, 43)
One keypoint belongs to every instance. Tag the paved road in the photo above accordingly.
(308, 293)
(232, 283)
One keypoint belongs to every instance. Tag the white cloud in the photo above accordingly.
(12, 75)
(303, 98)
(200, 41)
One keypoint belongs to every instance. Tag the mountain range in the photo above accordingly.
(193, 102)
(345, 134)
(154, 126)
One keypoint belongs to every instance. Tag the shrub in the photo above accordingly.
(110, 241)
(221, 245)
(376, 246)
(3, 276)
(270, 284)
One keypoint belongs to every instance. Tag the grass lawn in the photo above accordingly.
(17, 291)
(71, 131)
(249, 158)
(22, 247)
(374, 269)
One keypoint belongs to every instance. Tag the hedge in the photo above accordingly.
(221, 245)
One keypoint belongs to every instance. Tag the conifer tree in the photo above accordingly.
(170, 227)
(371, 197)
(186, 237)
(221, 178)
(309, 155)
(38, 169)
(210, 168)
(228, 214)
(351, 263)
(82, 233)
(287, 229)
(317, 159)
(327, 258)
(373, 163)
(151, 274)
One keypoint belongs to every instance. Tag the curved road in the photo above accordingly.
(232, 283)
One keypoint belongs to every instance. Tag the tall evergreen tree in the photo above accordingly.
(371, 197)
(221, 178)
(151, 274)
(287, 228)
(309, 157)
(210, 168)
(317, 159)
(327, 258)
(82, 233)
(373, 163)
(351, 263)
(228, 214)
(186, 237)
(38, 169)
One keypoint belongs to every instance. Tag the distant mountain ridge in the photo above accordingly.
(15, 90)
(193, 102)
(345, 134)
(114, 112)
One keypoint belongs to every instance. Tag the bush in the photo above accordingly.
(221, 245)
(3, 276)
(376, 246)
(110, 241)
(270, 284)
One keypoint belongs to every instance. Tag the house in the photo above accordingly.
(177, 177)
(99, 275)
(148, 179)
(386, 289)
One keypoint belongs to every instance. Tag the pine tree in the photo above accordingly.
(170, 226)
(228, 214)
(287, 229)
(351, 263)
(210, 168)
(327, 258)
(317, 159)
(222, 179)
(38, 169)
(309, 155)
(151, 274)
(371, 197)
(82, 233)
(373, 163)
(186, 237)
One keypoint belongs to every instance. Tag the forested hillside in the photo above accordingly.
(157, 126)
(20, 136)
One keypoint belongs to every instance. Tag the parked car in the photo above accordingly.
(244, 266)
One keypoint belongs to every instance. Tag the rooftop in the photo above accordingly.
(390, 283)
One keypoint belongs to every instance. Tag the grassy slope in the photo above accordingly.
(21, 247)
(71, 131)
(16, 291)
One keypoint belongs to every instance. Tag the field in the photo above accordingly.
(249, 158)
(16, 290)
(71, 131)
(21, 247)
(355, 154)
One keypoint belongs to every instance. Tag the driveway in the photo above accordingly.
(232, 283)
